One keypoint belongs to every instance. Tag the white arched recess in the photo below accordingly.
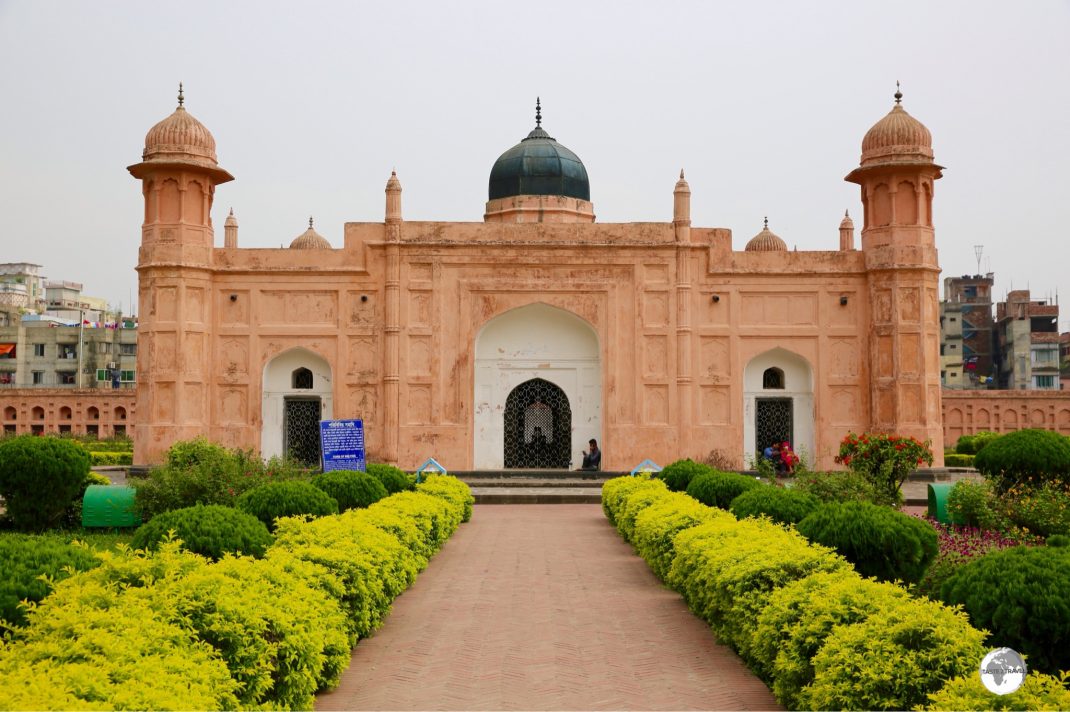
(535, 341)
(798, 382)
(278, 385)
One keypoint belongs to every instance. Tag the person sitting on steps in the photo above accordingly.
(592, 460)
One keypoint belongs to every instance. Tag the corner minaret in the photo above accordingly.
(681, 209)
(230, 231)
(178, 173)
(896, 175)
(847, 233)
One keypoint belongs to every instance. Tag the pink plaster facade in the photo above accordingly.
(969, 412)
(679, 312)
(84, 411)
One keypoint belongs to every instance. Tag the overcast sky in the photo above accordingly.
(313, 103)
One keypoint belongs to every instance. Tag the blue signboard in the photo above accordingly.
(343, 444)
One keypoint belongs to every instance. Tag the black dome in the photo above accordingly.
(539, 165)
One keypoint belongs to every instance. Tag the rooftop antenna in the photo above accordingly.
(977, 250)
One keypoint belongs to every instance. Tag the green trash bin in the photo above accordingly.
(109, 506)
(938, 493)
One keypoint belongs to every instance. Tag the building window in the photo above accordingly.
(7, 378)
(39, 350)
(119, 431)
(9, 429)
(65, 429)
(1043, 382)
(773, 378)
(66, 378)
(128, 349)
(92, 431)
(1045, 356)
(69, 351)
(37, 429)
(38, 378)
(126, 376)
(302, 378)
(103, 347)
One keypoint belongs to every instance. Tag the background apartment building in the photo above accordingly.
(39, 353)
(966, 333)
(1027, 335)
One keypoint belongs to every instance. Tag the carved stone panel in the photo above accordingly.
(166, 303)
(232, 405)
(193, 356)
(164, 398)
(362, 312)
(234, 358)
(420, 309)
(844, 358)
(193, 404)
(655, 356)
(882, 306)
(769, 309)
(419, 271)
(714, 362)
(363, 402)
(910, 400)
(713, 405)
(909, 304)
(298, 308)
(885, 407)
(656, 273)
(233, 312)
(909, 354)
(419, 355)
(655, 309)
(195, 311)
(885, 357)
(419, 408)
(655, 405)
(165, 351)
(845, 408)
(364, 358)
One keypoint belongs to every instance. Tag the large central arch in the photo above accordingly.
(536, 341)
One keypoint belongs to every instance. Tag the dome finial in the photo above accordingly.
(847, 213)
(681, 174)
(309, 222)
(898, 94)
(538, 113)
(180, 97)
(766, 225)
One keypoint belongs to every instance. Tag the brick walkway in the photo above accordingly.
(542, 607)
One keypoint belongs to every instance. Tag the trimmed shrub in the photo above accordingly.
(615, 491)
(210, 531)
(880, 542)
(286, 499)
(954, 459)
(351, 490)
(973, 504)
(29, 568)
(802, 614)
(657, 526)
(633, 501)
(435, 516)
(90, 646)
(973, 444)
(893, 659)
(103, 459)
(1027, 457)
(372, 566)
(1038, 692)
(848, 486)
(187, 453)
(451, 489)
(725, 570)
(394, 479)
(39, 478)
(679, 474)
(782, 505)
(1019, 595)
(1058, 540)
(718, 489)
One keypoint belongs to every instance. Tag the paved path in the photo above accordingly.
(542, 607)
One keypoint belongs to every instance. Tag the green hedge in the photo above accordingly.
(957, 459)
(30, 565)
(171, 630)
(798, 613)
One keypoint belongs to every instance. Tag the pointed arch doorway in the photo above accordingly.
(555, 356)
(538, 426)
(297, 394)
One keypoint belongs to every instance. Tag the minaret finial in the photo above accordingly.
(767, 222)
(898, 94)
(538, 113)
(180, 97)
(309, 222)
(681, 174)
(847, 213)
(232, 211)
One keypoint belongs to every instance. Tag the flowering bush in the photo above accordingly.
(958, 545)
(1043, 510)
(884, 459)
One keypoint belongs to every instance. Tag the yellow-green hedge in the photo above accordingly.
(171, 630)
(99, 458)
(798, 613)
